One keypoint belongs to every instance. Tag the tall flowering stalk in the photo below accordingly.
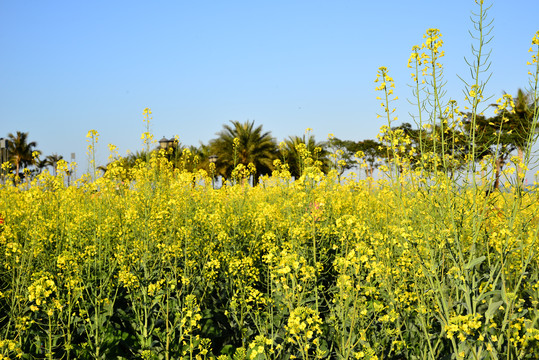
(147, 136)
(386, 87)
(92, 137)
(534, 92)
(416, 60)
(479, 64)
(434, 71)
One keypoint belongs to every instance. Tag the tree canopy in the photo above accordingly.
(243, 143)
(20, 150)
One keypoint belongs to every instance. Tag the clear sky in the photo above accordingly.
(70, 66)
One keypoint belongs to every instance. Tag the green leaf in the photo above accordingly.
(492, 308)
(475, 262)
(493, 294)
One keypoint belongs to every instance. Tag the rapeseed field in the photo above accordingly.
(423, 261)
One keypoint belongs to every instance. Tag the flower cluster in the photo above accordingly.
(386, 86)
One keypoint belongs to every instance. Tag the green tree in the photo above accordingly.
(128, 162)
(398, 145)
(342, 155)
(370, 148)
(521, 125)
(52, 160)
(190, 157)
(20, 150)
(182, 156)
(372, 154)
(513, 128)
(302, 152)
(444, 141)
(492, 138)
(40, 165)
(253, 146)
(203, 151)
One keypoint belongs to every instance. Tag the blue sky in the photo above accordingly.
(70, 66)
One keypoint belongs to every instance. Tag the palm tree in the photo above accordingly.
(52, 160)
(301, 152)
(41, 164)
(20, 150)
(203, 153)
(253, 146)
(190, 157)
(130, 161)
